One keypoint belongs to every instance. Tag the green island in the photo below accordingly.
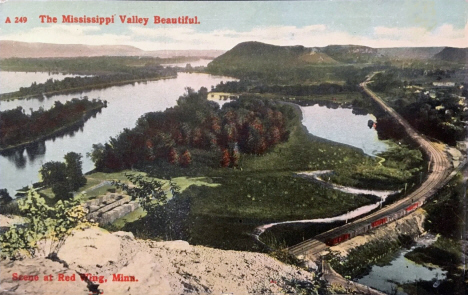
(19, 129)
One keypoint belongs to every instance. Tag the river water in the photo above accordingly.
(403, 271)
(341, 125)
(197, 63)
(125, 105)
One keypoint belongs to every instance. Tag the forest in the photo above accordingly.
(248, 125)
(17, 127)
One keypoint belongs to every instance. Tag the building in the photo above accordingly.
(217, 96)
(443, 84)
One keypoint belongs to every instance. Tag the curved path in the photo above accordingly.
(315, 176)
(438, 172)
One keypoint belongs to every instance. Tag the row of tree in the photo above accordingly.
(248, 125)
(296, 90)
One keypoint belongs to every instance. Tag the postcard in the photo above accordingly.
(233, 147)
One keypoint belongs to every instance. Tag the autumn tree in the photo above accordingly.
(173, 156)
(225, 158)
(186, 159)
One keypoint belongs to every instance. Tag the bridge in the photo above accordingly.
(439, 169)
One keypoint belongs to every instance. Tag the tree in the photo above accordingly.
(75, 177)
(173, 156)
(225, 159)
(97, 156)
(162, 218)
(61, 191)
(235, 157)
(5, 197)
(186, 159)
(53, 172)
(148, 192)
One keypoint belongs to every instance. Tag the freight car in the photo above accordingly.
(373, 224)
(338, 239)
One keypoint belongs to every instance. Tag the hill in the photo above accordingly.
(260, 57)
(39, 50)
(35, 50)
(451, 54)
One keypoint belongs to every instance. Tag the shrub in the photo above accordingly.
(45, 222)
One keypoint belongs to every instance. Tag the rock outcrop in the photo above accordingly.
(121, 264)
(110, 207)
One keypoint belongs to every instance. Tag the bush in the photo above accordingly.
(45, 222)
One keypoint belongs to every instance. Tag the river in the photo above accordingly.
(126, 104)
(401, 270)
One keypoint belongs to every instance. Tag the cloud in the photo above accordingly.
(67, 34)
(444, 35)
(188, 37)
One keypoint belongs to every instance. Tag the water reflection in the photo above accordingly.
(348, 126)
(35, 150)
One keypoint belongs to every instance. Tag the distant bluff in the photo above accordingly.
(255, 57)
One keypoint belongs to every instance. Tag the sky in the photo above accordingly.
(374, 23)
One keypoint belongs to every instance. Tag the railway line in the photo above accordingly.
(439, 168)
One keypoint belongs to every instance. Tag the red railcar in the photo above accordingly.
(379, 222)
(411, 207)
(338, 239)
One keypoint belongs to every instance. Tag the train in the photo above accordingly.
(373, 224)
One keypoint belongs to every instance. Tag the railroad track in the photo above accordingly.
(437, 177)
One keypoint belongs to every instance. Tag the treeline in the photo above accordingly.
(70, 83)
(248, 125)
(17, 127)
(294, 90)
(295, 74)
(87, 65)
